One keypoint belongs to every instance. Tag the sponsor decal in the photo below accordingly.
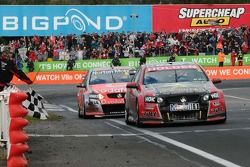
(112, 90)
(210, 17)
(183, 99)
(222, 21)
(184, 107)
(179, 89)
(114, 101)
(126, 71)
(150, 99)
(149, 114)
(170, 67)
(81, 21)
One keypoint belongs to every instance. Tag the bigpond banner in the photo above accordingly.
(131, 62)
(65, 20)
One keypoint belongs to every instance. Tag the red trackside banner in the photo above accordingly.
(176, 18)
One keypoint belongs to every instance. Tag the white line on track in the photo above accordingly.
(235, 97)
(137, 134)
(235, 88)
(84, 135)
(182, 145)
(54, 109)
(47, 105)
(69, 108)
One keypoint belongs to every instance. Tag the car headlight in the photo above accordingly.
(93, 96)
(96, 96)
(100, 96)
(159, 100)
(211, 96)
(153, 99)
(205, 97)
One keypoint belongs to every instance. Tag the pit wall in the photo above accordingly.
(75, 77)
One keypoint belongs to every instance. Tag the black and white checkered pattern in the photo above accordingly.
(34, 105)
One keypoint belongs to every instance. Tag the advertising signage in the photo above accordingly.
(80, 19)
(64, 20)
(176, 18)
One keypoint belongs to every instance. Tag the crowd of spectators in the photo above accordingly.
(131, 44)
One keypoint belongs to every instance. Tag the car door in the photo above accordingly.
(83, 90)
(134, 94)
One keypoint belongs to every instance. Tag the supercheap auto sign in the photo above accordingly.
(175, 18)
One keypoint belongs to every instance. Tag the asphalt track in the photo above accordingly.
(74, 142)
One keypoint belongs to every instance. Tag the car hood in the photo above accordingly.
(109, 88)
(180, 88)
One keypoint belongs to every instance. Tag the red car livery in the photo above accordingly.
(173, 92)
(102, 92)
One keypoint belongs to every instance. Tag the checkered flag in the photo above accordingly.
(34, 105)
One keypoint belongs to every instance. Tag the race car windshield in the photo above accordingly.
(109, 76)
(172, 76)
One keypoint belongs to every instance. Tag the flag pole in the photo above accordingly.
(36, 74)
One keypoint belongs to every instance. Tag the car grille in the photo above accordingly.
(184, 115)
(116, 95)
(168, 115)
(176, 99)
(114, 109)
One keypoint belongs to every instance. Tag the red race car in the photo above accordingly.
(173, 92)
(102, 92)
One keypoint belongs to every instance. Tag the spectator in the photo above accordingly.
(70, 63)
(8, 69)
(240, 58)
(244, 47)
(132, 44)
(116, 61)
(172, 58)
(221, 57)
(142, 60)
(30, 65)
(233, 57)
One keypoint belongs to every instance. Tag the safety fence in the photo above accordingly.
(13, 141)
(205, 61)
(75, 77)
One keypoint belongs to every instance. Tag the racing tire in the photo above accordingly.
(138, 122)
(126, 117)
(223, 120)
(84, 114)
(79, 113)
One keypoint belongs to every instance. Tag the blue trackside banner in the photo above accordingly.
(64, 20)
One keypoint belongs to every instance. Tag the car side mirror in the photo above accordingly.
(132, 85)
(216, 80)
(132, 72)
(81, 86)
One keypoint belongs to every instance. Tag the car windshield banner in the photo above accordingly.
(65, 20)
(179, 18)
